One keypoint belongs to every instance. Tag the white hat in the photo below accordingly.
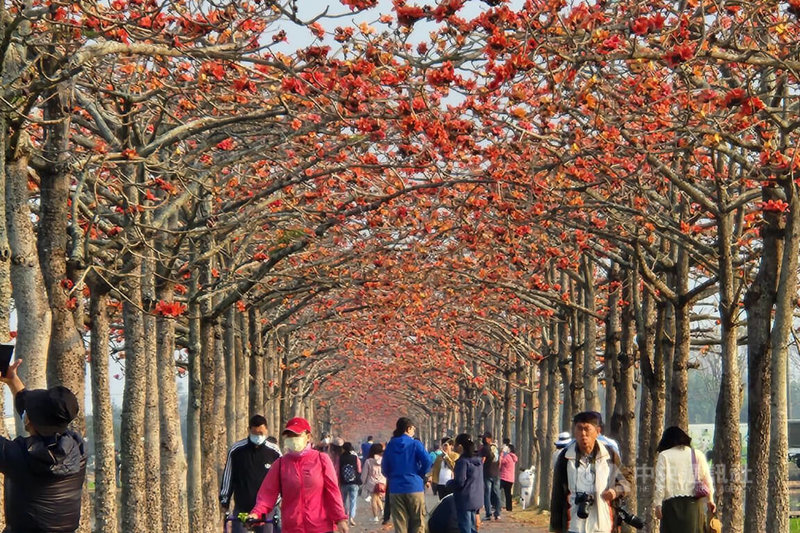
(564, 438)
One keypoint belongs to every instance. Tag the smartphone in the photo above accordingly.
(6, 351)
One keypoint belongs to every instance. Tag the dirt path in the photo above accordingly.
(515, 522)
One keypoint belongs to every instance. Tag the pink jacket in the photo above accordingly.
(507, 463)
(308, 484)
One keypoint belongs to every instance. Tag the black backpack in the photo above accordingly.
(348, 470)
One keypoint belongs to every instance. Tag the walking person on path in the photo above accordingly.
(508, 464)
(443, 467)
(586, 481)
(467, 484)
(683, 484)
(248, 462)
(405, 464)
(44, 471)
(349, 479)
(306, 481)
(365, 448)
(374, 482)
(491, 476)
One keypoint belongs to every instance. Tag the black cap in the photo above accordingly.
(50, 410)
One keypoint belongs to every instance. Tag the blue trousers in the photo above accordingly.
(350, 499)
(491, 496)
(467, 522)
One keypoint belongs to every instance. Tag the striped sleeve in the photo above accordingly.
(225, 487)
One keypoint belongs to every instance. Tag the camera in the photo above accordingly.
(627, 517)
(584, 500)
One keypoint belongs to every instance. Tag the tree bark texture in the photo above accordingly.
(105, 475)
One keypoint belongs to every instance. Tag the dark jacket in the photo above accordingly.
(444, 517)
(606, 461)
(405, 463)
(491, 460)
(44, 480)
(467, 483)
(245, 469)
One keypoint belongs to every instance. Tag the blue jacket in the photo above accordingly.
(405, 463)
(467, 483)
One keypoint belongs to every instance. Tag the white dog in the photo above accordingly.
(526, 478)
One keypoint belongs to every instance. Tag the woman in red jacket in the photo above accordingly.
(307, 483)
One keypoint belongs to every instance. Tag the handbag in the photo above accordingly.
(700, 488)
(713, 525)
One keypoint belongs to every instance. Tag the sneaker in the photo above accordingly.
(376, 519)
(368, 499)
(352, 521)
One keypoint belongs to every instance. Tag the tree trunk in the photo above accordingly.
(5, 275)
(209, 423)
(591, 398)
(173, 466)
(242, 370)
(66, 358)
(727, 441)
(230, 372)
(133, 403)
(778, 495)
(152, 440)
(758, 303)
(256, 364)
(612, 349)
(679, 381)
(105, 474)
(30, 296)
(624, 417)
(544, 469)
(193, 420)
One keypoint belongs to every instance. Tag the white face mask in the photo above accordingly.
(295, 444)
(258, 440)
(378, 459)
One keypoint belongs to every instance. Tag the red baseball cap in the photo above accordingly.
(297, 426)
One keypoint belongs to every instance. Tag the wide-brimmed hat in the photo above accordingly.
(297, 426)
(564, 438)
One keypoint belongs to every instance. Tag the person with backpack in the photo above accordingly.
(306, 482)
(349, 479)
(44, 472)
(491, 476)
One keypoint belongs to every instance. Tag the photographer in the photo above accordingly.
(587, 479)
(44, 471)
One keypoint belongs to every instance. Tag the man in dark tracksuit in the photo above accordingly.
(44, 471)
(248, 462)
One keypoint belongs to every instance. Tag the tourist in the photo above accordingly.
(248, 462)
(405, 464)
(306, 482)
(683, 487)
(365, 448)
(586, 480)
(374, 482)
(564, 440)
(443, 467)
(349, 479)
(491, 476)
(44, 472)
(508, 464)
(467, 484)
